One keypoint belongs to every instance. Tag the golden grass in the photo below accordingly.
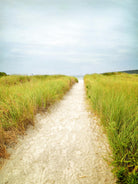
(21, 97)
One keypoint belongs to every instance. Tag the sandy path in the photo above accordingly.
(65, 147)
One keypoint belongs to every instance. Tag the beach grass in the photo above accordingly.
(21, 97)
(114, 98)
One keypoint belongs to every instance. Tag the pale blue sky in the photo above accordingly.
(68, 37)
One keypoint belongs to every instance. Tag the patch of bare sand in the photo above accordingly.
(65, 147)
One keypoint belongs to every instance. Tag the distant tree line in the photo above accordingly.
(3, 74)
(127, 71)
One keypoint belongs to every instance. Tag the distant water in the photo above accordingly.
(79, 77)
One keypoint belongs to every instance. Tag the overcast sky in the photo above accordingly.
(68, 36)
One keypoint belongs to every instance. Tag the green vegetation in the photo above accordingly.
(114, 98)
(21, 97)
(2, 74)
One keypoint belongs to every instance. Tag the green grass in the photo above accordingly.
(114, 98)
(21, 97)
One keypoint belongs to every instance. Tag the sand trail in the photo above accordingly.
(65, 147)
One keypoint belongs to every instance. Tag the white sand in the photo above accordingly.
(65, 147)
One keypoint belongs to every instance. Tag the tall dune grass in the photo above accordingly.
(114, 97)
(21, 97)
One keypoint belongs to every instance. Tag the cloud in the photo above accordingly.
(68, 33)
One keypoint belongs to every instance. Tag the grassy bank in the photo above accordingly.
(21, 97)
(114, 98)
